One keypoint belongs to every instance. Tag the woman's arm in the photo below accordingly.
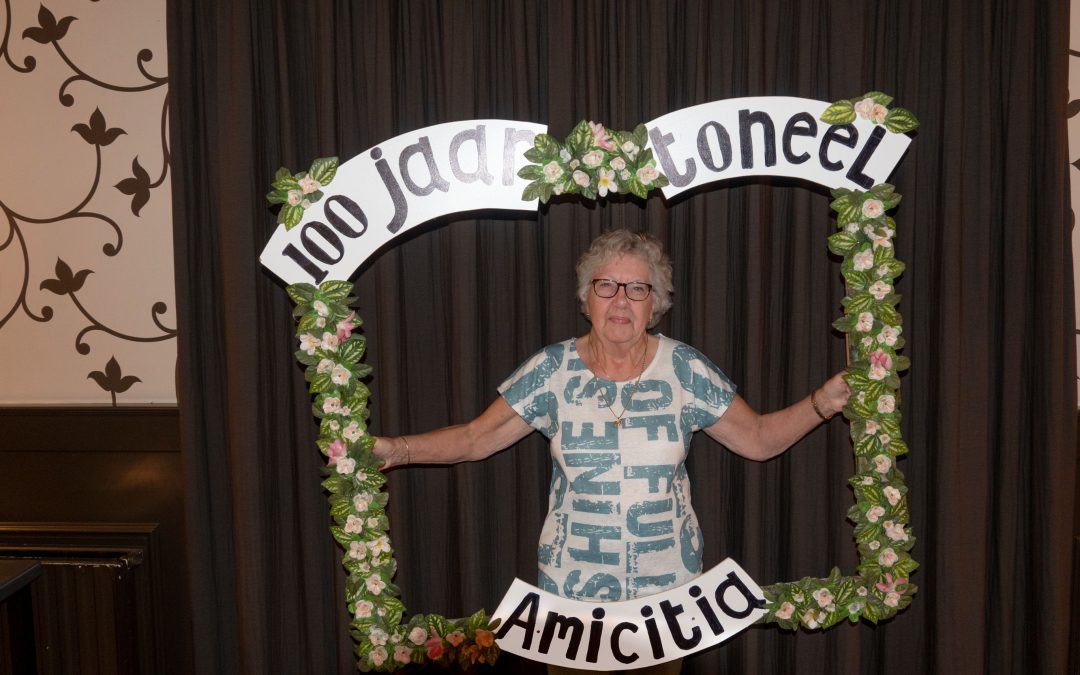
(496, 428)
(762, 437)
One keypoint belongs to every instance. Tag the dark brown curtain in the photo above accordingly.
(989, 404)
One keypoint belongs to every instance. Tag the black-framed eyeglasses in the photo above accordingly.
(608, 288)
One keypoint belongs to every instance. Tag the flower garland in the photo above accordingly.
(880, 513)
(331, 350)
(594, 162)
(873, 325)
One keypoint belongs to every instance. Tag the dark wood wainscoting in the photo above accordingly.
(96, 495)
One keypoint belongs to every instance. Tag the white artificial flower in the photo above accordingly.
(340, 375)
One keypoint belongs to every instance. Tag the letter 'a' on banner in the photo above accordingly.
(704, 612)
(398, 184)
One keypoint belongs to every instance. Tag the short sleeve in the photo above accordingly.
(710, 390)
(529, 389)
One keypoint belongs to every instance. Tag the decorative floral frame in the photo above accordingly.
(595, 162)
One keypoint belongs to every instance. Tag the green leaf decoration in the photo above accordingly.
(290, 216)
(323, 170)
(546, 145)
(842, 243)
(900, 121)
(841, 112)
(335, 290)
(533, 191)
(531, 172)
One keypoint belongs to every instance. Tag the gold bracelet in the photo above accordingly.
(408, 452)
(813, 402)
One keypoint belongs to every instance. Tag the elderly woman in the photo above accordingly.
(619, 406)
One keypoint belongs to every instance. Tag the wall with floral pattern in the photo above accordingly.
(87, 312)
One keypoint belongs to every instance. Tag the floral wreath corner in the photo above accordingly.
(331, 349)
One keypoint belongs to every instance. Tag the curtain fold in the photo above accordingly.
(989, 405)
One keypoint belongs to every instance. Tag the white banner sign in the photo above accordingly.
(770, 136)
(399, 184)
(468, 166)
(712, 608)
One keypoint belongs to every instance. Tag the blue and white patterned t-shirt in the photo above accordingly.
(619, 522)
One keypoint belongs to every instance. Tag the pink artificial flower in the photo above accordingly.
(890, 586)
(785, 611)
(601, 138)
(401, 654)
(378, 656)
(880, 358)
(336, 450)
(309, 184)
(647, 174)
(418, 636)
(863, 260)
(873, 208)
(823, 597)
(434, 646)
(888, 558)
(455, 638)
(593, 158)
(345, 326)
(877, 115)
(864, 108)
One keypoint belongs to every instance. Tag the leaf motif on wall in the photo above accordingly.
(138, 186)
(48, 29)
(113, 380)
(65, 281)
(97, 133)
(1074, 107)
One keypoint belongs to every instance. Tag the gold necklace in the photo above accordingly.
(641, 371)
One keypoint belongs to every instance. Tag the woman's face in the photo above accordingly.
(619, 319)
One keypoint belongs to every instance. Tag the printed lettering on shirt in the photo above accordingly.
(594, 536)
(551, 553)
(587, 439)
(654, 425)
(598, 463)
(535, 379)
(654, 473)
(600, 585)
(647, 396)
(691, 543)
(639, 526)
